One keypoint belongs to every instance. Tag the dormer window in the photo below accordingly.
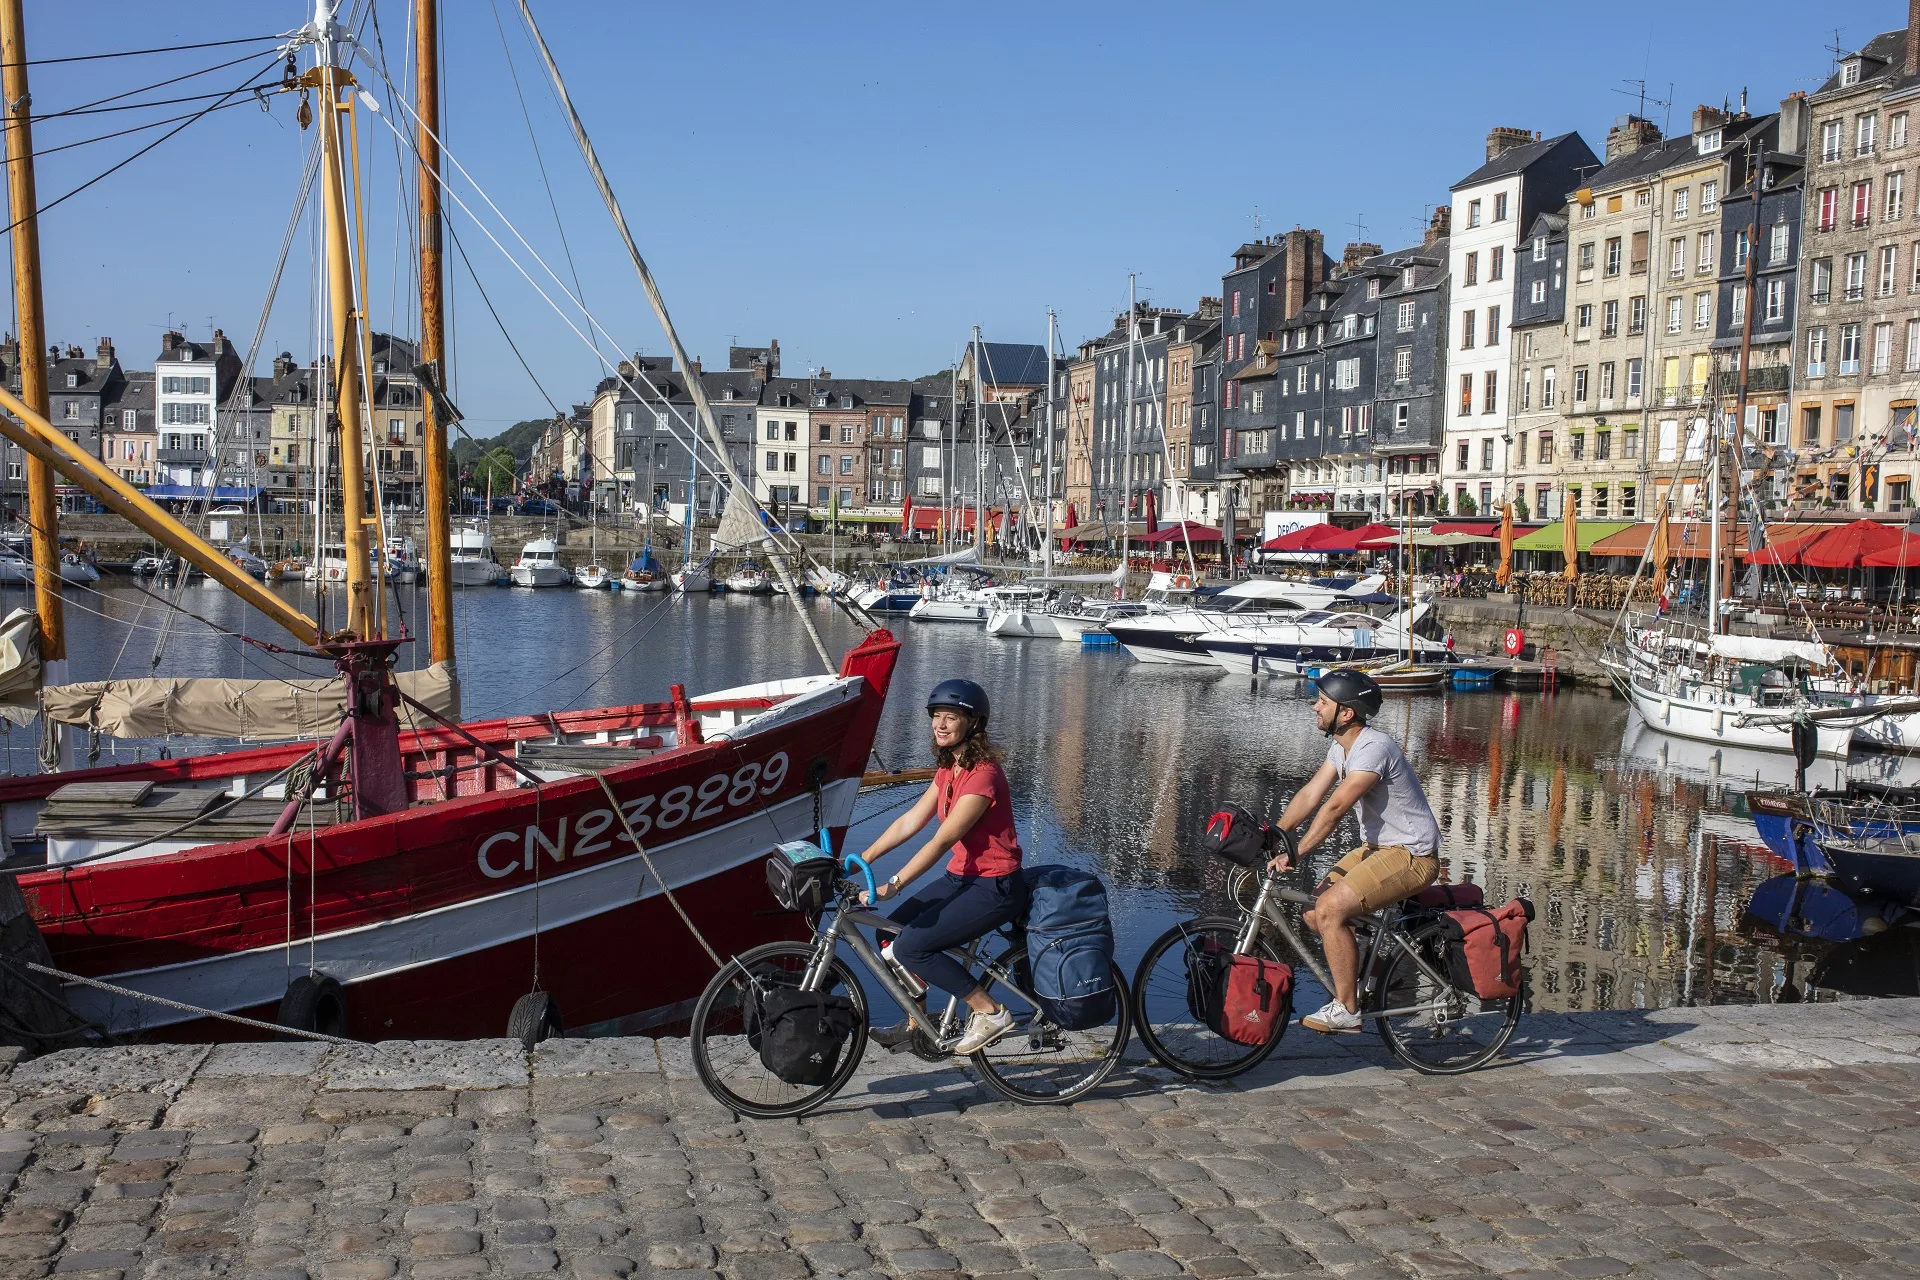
(1707, 142)
(1850, 72)
(379, 366)
(846, 401)
(73, 380)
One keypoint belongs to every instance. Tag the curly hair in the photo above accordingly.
(976, 750)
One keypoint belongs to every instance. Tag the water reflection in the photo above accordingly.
(1635, 848)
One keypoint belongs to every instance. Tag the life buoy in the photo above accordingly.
(1183, 582)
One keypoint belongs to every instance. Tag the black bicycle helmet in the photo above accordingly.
(1355, 689)
(962, 695)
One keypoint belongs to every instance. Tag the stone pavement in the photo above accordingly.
(1726, 1143)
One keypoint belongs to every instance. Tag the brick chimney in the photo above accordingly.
(1209, 309)
(773, 357)
(219, 344)
(103, 355)
(1440, 225)
(1912, 62)
(693, 363)
(1628, 135)
(1705, 118)
(1356, 253)
(1302, 269)
(170, 342)
(626, 370)
(1501, 139)
(282, 365)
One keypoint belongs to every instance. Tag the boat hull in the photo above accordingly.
(1022, 624)
(473, 573)
(429, 917)
(949, 611)
(538, 575)
(1720, 723)
(692, 580)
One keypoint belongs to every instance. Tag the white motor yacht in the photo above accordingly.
(1171, 635)
(539, 566)
(1319, 637)
(472, 563)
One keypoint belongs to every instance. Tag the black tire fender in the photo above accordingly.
(314, 1002)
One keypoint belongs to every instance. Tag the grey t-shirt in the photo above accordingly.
(1395, 809)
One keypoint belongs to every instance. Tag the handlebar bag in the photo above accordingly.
(1070, 947)
(801, 1034)
(801, 877)
(1236, 835)
(1484, 947)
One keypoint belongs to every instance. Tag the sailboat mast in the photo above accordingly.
(1046, 513)
(24, 204)
(433, 331)
(946, 490)
(1126, 492)
(979, 454)
(334, 82)
(1713, 507)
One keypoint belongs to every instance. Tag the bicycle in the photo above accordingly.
(1426, 1021)
(1035, 1063)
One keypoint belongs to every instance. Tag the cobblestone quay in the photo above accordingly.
(1725, 1142)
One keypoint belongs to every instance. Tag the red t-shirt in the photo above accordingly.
(990, 848)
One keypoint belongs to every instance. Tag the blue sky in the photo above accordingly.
(862, 181)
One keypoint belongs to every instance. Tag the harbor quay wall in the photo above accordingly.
(1681, 1143)
(1577, 636)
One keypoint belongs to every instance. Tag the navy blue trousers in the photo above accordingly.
(952, 913)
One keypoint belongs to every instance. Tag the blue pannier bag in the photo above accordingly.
(1070, 947)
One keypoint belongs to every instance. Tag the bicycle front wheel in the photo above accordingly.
(1439, 1030)
(1169, 1026)
(726, 1050)
(1040, 1062)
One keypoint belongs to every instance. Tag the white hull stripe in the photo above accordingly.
(248, 979)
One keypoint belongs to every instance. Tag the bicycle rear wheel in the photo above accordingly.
(1168, 1025)
(1039, 1062)
(1445, 1031)
(726, 1055)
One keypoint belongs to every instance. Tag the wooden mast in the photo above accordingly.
(25, 204)
(433, 342)
(334, 84)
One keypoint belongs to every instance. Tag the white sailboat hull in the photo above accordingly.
(1022, 624)
(692, 580)
(949, 611)
(1705, 720)
(593, 577)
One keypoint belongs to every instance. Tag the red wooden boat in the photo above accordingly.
(437, 918)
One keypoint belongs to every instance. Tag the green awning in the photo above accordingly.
(1588, 532)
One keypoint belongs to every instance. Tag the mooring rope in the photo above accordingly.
(177, 1004)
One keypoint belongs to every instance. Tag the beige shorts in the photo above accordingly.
(1383, 874)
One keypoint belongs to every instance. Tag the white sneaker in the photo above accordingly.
(1332, 1017)
(982, 1030)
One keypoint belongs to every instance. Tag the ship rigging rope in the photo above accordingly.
(181, 1005)
(694, 440)
(139, 53)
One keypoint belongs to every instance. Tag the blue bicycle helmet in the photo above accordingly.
(962, 695)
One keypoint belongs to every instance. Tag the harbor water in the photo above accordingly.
(1635, 848)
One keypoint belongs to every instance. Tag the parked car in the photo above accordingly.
(228, 509)
(539, 507)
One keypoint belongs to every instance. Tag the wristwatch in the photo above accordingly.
(893, 883)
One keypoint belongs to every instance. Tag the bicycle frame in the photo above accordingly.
(1383, 924)
(845, 928)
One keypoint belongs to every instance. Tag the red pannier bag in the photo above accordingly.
(1255, 1002)
(1485, 946)
(1450, 895)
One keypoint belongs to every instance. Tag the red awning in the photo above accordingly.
(1357, 539)
(1903, 554)
(1478, 528)
(1305, 538)
(1183, 532)
(1845, 546)
(958, 518)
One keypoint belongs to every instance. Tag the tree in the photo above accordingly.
(494, 470)
(1440, 504)
(1520, 509)
(1468, 506)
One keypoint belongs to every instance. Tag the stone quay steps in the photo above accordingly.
(1731, 1141)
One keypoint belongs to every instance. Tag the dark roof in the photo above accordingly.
(1013, 364)
(136, 392)
(1883, 55)
(1547, 224)
(1511, 161)
(91, 378)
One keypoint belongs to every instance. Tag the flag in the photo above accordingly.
(906, 516)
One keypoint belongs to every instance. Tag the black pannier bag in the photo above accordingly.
(800, 1033)
(1236, 835)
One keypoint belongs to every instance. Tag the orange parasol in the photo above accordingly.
(1570, 540)
(1662, 553)
(1505, 573)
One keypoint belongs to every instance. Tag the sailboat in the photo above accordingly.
(594, 576)
(692, 577)
(388, 871)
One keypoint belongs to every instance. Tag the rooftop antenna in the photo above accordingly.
(1359, 228)
(1256, 224)
(1425, 220)
(1641, 101)
(1838, 51)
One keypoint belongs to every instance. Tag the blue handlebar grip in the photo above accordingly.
(855, 862)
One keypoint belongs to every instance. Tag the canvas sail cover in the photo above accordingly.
(1768, 650)
(20, 666)
(965, 555)
(739, 524)
(217, 708)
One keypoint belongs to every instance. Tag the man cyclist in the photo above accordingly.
(1399, 856)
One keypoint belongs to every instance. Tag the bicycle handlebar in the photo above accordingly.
(854, 862)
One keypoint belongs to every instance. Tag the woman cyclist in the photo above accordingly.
(981, 889)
